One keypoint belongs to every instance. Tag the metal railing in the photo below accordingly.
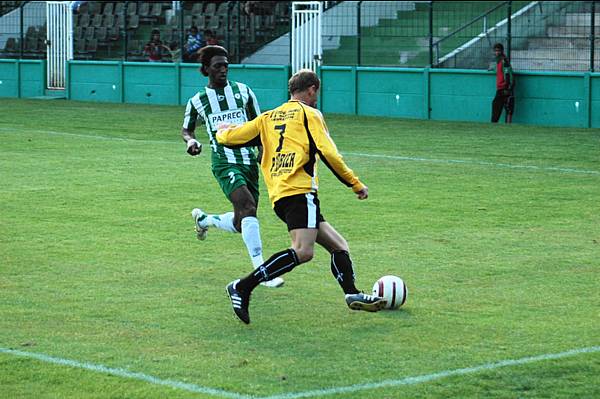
(482, 19)
(539, 35)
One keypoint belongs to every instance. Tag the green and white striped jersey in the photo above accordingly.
(234, 103)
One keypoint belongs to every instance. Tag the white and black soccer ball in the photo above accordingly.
(393, 289)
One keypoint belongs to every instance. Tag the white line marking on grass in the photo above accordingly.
(435, 376)
(356, 154)
(475, 162)
(87, 136)
(295, 395)
(127, 374)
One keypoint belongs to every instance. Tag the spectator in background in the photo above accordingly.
(76, 5)
(155, 48)
(194, 42)
(211, 38)
(504, 86)
(258, 7)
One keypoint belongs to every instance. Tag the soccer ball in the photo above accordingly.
(391, 288)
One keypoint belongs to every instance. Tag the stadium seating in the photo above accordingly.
(12, 48)
(108, 9)
(156, 10)
(402, 40)
(99, 27)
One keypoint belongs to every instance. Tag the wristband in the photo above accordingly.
(191, 142)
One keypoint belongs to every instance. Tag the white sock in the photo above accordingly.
(223, 222)
(251, 237)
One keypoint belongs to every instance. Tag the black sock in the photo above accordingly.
(341, 268)
(278, 264)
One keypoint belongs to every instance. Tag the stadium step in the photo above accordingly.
(50, 94)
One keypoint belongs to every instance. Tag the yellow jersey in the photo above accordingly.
(294, 137)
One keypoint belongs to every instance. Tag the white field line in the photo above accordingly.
(356, 154)
(126, 374)
(89, 136)
(475, 162)
(306, 394)
(435, 376)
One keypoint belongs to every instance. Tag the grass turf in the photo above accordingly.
(494, 229)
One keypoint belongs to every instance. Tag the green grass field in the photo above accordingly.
(106, 293)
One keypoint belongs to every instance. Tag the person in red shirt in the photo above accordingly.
(504, 86)
(155, 48)
(211, 38)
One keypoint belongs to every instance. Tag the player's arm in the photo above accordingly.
(253, 110)
(330, 155)
(194, 147)
(242, 135)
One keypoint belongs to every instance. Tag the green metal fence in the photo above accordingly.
(538, 35)
(122, 30)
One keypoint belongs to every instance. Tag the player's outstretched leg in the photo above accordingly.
(239, 301)
(239, 290)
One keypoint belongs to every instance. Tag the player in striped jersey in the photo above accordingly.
(294, 137)
(236, 169)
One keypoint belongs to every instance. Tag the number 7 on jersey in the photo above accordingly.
(281, 129)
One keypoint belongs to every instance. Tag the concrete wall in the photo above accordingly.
(165, 83)
(22, 78)
(542, 98)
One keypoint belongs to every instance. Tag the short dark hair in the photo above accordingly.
(499, 46)
(206, 54)
(302, 80)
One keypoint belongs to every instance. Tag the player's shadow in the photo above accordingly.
(401, 314)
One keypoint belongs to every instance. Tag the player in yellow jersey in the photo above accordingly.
(294, 137)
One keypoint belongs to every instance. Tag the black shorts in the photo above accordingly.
(301, 211)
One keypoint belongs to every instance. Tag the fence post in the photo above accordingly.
(21, 44)
(227, 31)
(45, 78)
(125, 38)
(587, 90)
(291, 10)
(121, 81)
(431, 34)
(358, 33)
(18, 75)
(178, 82)
(355, 89)
(509, 30)
(427, 93)
(67, 79)
(238, 59)
(182, 36)
(592, 34)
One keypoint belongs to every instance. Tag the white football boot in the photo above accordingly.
(274, 283)
(200, 223)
